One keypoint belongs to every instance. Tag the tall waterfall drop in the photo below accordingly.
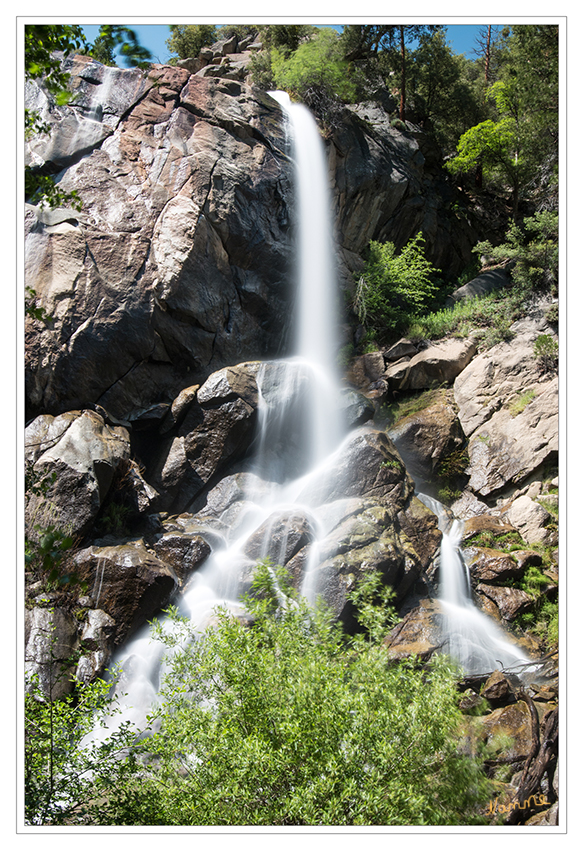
(315, 337)
(298, 423)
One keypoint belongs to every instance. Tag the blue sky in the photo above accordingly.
(153, 36)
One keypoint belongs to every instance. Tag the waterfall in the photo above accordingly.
(469, 636)
(316, 342)
(299, 429)
(299, 438)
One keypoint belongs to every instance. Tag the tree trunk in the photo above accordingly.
(542, 759)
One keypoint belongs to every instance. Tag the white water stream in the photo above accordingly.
(470, 636)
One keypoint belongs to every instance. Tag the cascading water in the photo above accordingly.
(299, 435)
(470, 637)
(299, 427)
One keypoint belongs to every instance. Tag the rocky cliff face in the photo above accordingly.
(179, 261)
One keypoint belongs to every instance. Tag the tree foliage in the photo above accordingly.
(518, 145)
(187, 40)
(280, 719)
(287, 723)
(394, 287)
(444, 97)
(316, 73)
(533, 250)
(70, 778)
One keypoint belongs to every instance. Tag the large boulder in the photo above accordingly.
(217, 428)
(509, 729)
(439, 363)
(510, 446)
(499, 375)
(280, 537)
(493, 566)
(80, 455)
(426, 437)
(508, 407)
(510, 601)
(126, 581)
(363, 537)
(96, 638)
(418, 634)
(184, 553)
(529, 518)
(366, 464)
(490, 280)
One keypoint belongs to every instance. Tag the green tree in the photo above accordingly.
(386, 42)
(394, 287)
(287, 37)
(443, 94)
(187, 40)
(288, 722)
(70, 778)
(316, 73)
(518, 146)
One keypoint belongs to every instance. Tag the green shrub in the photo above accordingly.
(288, 722)
(546, 351)
(315, 73)
(394, 286)
(533, 251)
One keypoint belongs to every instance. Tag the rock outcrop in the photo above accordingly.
(407, 367)
(178, 262)
(78, 454)
(508, 407)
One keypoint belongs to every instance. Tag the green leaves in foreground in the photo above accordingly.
(69, 779)
(288, 722)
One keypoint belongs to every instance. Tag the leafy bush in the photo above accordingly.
(315, 73)
(534, 252)
(394, 287)
(546, 351)
(287, 722)
(68, 779)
